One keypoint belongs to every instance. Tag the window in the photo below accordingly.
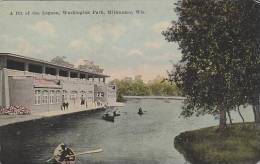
(83, 95)
(82, 92)
(45, 97)
(73, 95)
(64, 96)
(37, 95)
(90, 98)
(52, 96)
(58, 96)
(113, 87)
(100, 94)
(111, 95)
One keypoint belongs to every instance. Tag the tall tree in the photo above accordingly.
(218, 39)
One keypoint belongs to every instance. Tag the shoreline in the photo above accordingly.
(6, 120)
(238, 144)
(155, 97)
(14, 119)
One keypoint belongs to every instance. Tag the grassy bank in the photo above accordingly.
(238, 144)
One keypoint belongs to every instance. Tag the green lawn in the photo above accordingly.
(238, 144)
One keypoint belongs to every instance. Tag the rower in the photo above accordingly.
(63, 153)
(106, 114)
(114, 113)
(140, 111)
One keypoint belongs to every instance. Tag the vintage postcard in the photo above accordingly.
(129, 81)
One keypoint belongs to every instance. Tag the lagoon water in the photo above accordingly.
(131, 139)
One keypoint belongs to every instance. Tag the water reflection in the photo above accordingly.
(131, 139)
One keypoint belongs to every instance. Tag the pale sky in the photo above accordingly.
(124, 45)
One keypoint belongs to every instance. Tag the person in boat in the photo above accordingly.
(140, 111)
(106, 115)
(116, 113)
(64, 153)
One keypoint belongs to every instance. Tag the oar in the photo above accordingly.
(49, 160)
(89, 152)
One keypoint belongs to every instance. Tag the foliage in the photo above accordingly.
(137, 87)
(237, 144)
(89, 65)
(159, 87)
(60, 60)
(15, 110)
(218, 42)
(85, 65)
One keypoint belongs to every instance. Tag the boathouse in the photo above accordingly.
(44, 86)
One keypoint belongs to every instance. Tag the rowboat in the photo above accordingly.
(108, 117)
(63, 155)
(69, 159)
(117, 114)
(140, 111)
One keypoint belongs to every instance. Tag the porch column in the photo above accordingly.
(57, 72)
(6, 96)
(4, 62)
(44, 69)
(26, 66)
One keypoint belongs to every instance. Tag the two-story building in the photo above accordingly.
(43, 86)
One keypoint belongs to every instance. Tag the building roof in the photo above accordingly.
(52, 64)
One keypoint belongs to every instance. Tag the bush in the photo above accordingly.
(15, 110)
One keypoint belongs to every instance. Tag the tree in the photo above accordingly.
(161, 87)
(137, 87)
(60, 60)
(89, 65)
(218, 42)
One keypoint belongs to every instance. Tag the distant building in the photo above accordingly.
(44, 86)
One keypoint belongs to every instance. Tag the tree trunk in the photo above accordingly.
(238, 109)
(222, 119)
(229, 116)
(256, 109)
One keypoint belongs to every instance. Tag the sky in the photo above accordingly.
(125, 45)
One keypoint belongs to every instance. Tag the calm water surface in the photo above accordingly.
(131, 139)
